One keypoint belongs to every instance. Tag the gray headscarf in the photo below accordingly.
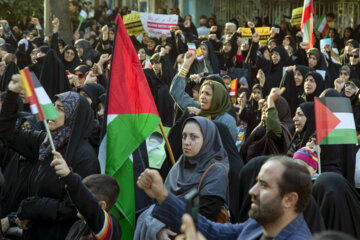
(186, 173)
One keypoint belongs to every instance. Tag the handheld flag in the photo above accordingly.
(148, 62)
(131, 117)
(82, 15)
(334, 121)
(199, 54)
(191, 47)
(322, 26)
(307, 24)
(39, 101)
(233, 87)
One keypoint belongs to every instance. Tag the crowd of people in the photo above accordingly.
(250, 152)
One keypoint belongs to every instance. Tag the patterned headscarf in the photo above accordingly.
(61, 135)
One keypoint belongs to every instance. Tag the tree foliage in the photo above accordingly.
(15, 10)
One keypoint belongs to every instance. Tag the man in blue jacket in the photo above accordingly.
(281, 193)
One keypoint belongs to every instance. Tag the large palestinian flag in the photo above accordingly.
(131, 117)
(334, 121)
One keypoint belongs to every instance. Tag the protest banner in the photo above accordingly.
(264, 33)
(158, 24)
(296, 16)
(133, 24)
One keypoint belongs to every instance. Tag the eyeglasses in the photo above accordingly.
(354, 56)
(347, 85)
(70, 53)
(80, 75)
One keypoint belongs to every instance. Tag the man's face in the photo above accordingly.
(266, 201)
(229, 30)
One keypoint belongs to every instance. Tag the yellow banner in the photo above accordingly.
(264, 33)
(133, 24)
(296, 16)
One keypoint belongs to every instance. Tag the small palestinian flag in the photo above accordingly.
(334, 121)
(82, 15)
(322, 25)
(233, 87)
(39, 101)
(199, 54)
(191, 47)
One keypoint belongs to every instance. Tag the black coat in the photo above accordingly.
(48, 206)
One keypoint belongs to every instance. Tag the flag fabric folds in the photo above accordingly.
(233, 87)
(39, 101)
(307, 23)
(322, 25)
(131, 117)
(82, 15)
(334, 121)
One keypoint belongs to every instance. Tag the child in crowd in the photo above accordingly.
(309, 157)
(93, 198)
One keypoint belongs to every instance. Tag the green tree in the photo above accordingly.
(15, 10)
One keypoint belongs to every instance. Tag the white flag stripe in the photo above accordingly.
(83, 13)
(111, 117)
(347, 120)
(34, 109)
(42, 96)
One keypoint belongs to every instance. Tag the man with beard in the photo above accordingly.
(281, 193)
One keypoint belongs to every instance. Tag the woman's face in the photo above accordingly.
(349, 47)
(142, 54)
(206, 96)
(267, 54)
(354, 58)
(79, 50)
(275, 57)
(150, 44)
(310, 85)
(312, 61)
(349, 90)
(227, 47)
(299, 120)
(157, 68)
(331, 33)
(298, 77)
(347, 33)
(256, 94)
(272, 45)
(344, 75)
(100, 110)
(204, 50)
(111, 35)
(187, 17)
(60, 121)
(69, 55)
(192, 139)
(84, 94)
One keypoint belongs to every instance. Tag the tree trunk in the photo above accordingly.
(59, 9)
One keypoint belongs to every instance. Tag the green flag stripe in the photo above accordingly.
(124, 134)
(50, 111)
(340, 136)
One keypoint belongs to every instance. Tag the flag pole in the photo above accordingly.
(319, 162)
(49, 135)
(167, 144)
(78, 28)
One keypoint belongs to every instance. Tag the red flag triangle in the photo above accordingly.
(325, 121)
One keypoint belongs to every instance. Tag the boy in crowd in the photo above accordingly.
(93, 198)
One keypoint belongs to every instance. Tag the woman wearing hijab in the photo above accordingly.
(339, 203)
(273, 134)
(313, 86)
(293, 81)
(10, 70)
(317, 61)
(214, 101)
(85, 51)
(251, 113)
(209, 63)
(48, 213)
(202, 148)
(53, 75)
(352, 92)
(70, 58)
(304, 121)
(273, 77)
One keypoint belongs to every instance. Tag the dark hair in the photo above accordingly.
(295, 178)
(330, 14)
(332, 235)
(104, 187)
